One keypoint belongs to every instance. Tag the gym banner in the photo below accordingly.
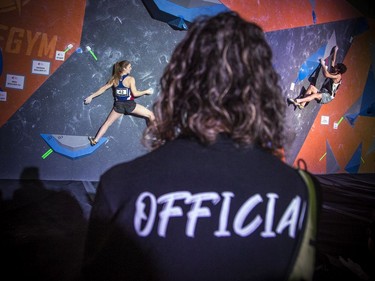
(36, 37)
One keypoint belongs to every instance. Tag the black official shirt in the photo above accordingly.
(192, 212)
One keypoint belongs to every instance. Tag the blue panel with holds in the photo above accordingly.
(72, 147)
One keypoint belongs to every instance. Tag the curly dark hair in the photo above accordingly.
(220, 79)
(341, 68)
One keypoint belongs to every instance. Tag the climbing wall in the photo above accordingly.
(53, 55)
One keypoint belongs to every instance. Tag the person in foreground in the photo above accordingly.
(125, 93)
(212, 200)
(329, 89)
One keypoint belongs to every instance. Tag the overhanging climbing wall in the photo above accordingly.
(50, 61)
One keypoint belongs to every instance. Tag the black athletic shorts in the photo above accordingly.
(124, 107)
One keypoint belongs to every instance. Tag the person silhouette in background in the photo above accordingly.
(125, 93)
(212, 200)
(328, 91)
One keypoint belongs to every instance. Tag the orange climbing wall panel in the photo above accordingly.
(33, 30)
(344, 140)
(276, 15)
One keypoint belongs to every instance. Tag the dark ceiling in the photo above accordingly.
(366, 7)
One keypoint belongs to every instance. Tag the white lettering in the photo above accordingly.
(245, 222)
(169, 210)
(243, 212)
(290, 217)
(197, 211)
(270, 215)
(224, 213)
(140, 214)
